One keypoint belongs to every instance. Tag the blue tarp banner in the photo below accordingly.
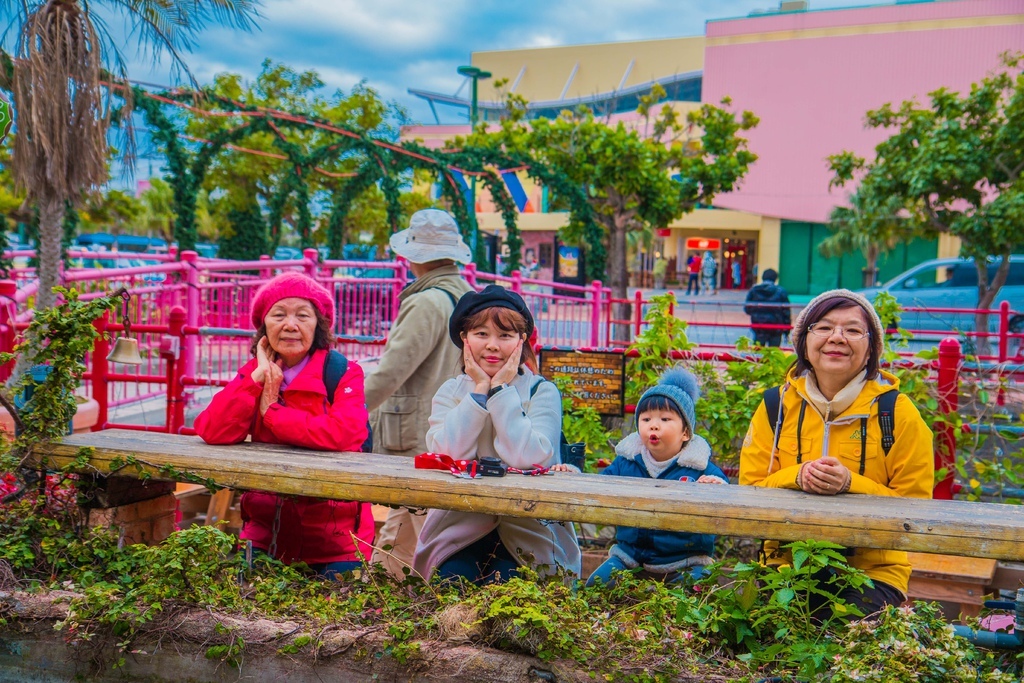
(461, 180)
(515, 188)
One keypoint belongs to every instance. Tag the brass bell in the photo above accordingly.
(126, 349)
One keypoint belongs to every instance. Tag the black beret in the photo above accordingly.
(489, 297)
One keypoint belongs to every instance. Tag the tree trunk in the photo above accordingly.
(870, 273)
(618, 277)
(986, 295)
(51, 215)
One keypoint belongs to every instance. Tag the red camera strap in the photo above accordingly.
(439, 461)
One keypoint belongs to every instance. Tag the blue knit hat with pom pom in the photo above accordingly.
(681, 388)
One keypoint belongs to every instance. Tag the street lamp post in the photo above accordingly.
(476, 74)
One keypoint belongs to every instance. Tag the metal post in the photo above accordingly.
(192, 303)
(100, 349)
(517, 282)
(475, 232)
(470, 274)
(312, 258)
(639, 317)
(596, 291)
(401, 274)
(175, 373)
(950, 362)
(475, 74)
(1004, 331)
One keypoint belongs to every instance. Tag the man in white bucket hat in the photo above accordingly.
(417, 359)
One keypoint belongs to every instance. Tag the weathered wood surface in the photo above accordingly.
(930, 526)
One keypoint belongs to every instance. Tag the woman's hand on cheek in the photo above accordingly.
(476, 373)
(271, 387)
(510, 369)
(263, 353)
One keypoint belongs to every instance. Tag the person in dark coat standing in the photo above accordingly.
(768, 304)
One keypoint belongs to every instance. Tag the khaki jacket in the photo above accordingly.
(908, 470)
(418, 358)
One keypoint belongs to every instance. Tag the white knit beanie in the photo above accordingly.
(877, 331)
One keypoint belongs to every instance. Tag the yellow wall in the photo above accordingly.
(601, 67)
(949, 246)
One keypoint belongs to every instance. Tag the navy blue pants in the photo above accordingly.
(483, 562)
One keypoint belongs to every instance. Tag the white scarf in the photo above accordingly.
(843, 399)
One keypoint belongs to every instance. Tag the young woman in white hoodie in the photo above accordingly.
(498, 408)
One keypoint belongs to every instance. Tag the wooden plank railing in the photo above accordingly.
(931, 526)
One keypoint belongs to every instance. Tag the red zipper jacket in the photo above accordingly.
(312, 530)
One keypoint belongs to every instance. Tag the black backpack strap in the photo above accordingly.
(772, 400)
(335, 367)
(533, 389)
(887, 418)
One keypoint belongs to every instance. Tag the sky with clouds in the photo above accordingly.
(399, 44)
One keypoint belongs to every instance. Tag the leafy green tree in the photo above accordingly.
(871, 225)
(248, 238)
(113, 211)
(62, 59)
(264, 167)
(367, 216)
(627, 171)
(11, 198)
(956, 165)
(157, 215)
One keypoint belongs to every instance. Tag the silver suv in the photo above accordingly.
(952, 283)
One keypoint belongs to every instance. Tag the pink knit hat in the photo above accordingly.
(288, 285)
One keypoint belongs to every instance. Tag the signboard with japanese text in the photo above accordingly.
(598, 377)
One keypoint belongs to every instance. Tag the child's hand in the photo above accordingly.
(708, 479)
(561, 467)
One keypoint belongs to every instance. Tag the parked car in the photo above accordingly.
(287, 253)
(949, 283)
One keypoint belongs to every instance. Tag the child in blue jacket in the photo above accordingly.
(663, 447)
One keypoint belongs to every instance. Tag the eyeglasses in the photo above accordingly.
(826, 330)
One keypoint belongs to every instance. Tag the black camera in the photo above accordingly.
(492, 467)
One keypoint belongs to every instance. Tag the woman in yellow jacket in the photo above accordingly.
(828, 440)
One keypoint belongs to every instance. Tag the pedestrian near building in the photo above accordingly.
(709, 273)
(418, 358)
(768, 304)
(693, 272)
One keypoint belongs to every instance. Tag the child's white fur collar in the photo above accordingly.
(696, 452)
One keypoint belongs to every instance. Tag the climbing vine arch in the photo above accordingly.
(381, 163)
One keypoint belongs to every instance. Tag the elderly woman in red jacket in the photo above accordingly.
(280, 397)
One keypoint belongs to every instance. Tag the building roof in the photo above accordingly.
(685, 87)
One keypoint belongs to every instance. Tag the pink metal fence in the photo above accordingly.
(213, 298)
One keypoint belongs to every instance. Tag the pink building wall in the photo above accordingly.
(812, 93)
